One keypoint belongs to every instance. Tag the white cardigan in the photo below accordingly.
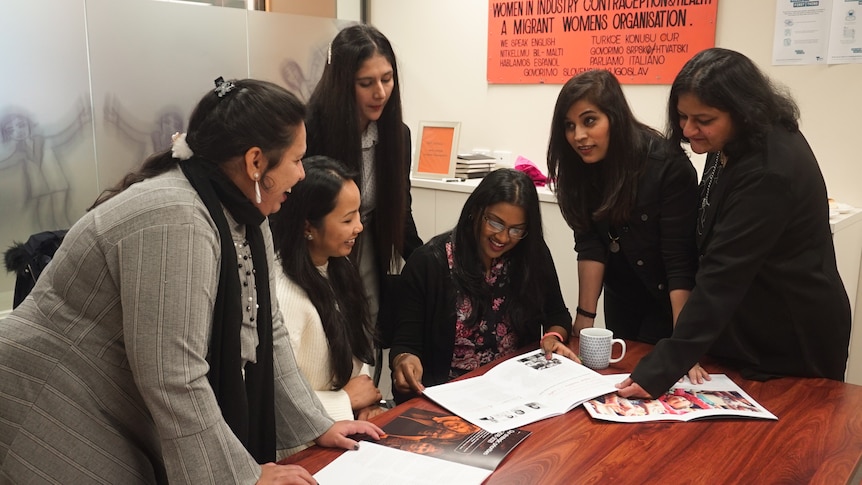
(311, 347)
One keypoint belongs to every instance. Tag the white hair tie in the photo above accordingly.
(180, 148)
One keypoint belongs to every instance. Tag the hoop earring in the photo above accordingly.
(256, 189)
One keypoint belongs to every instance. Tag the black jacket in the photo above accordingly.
(658, 239)
(767, 297)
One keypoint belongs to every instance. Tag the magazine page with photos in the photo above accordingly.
(424, 447)
(521, 390)
(716, 398)
(449, 437)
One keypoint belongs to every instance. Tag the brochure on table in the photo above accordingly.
(426, 447)
(522, 390)
(378, 464)
(450, 437)
(716, 398)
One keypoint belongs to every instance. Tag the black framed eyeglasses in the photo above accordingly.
(498, 227)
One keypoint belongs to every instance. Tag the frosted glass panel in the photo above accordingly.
(90, 88)
(47, 159)
(151, 62)
(290, 50)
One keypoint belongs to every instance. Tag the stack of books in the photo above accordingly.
(473, 165)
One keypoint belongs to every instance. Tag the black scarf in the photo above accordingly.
(248, 406)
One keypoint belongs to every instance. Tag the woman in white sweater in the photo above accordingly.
(320, 292)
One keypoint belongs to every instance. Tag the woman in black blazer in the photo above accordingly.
(768, 298)
(631, 201)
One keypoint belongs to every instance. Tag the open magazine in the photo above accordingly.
(428, 447)
(717, 398)
(376, 464)
(522, 390)
(450, 438)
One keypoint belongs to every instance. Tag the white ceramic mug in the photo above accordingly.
(595, 347)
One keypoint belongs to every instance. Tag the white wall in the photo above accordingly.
(442, 51)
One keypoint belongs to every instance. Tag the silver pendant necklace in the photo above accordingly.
(709, 178)
(614, 244)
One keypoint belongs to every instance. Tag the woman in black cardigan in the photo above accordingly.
(480, 291)
(767, 298)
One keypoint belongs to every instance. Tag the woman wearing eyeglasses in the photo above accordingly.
(631, 201)
(479, 291)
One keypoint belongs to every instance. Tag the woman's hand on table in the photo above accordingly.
(551, 344)
(337, 434)
(630, 388)
(697, 375)
(270, 473)
(407, 373)
(369, 412)
(362, 392)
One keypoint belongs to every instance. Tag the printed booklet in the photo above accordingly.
(428, 447)
(450, 438)
(717, 398)
(522, 390)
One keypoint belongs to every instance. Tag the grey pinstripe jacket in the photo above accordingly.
(102, 367)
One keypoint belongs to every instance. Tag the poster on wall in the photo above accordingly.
(640, 41)
(801, 30)
(845, 33)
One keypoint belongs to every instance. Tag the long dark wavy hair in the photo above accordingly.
(731, 82)
(339, 299)
(221, 129)
(333, 130)
(527, 276)
(614, 180)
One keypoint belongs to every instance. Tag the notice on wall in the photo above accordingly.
(817, 32)
(801, 31)
(640, 41)
(845, 43)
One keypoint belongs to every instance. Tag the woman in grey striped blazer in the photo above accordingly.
(152, 349)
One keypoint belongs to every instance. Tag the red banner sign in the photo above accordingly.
(640, 41)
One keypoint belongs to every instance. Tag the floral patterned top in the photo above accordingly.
(493, 335)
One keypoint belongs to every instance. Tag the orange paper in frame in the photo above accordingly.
(640, 41)
(435, 152)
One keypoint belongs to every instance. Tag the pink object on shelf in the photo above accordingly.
(530, 168)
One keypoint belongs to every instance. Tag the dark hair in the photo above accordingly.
(527, 274)
(333, 130)
(339, 299)
(221, 128)
(729, 81)
(613, 182)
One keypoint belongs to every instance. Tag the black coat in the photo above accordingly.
(768, 298)
(657, 240)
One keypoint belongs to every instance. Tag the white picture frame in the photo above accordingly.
(436, 150)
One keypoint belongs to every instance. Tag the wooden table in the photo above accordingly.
(817, 439)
